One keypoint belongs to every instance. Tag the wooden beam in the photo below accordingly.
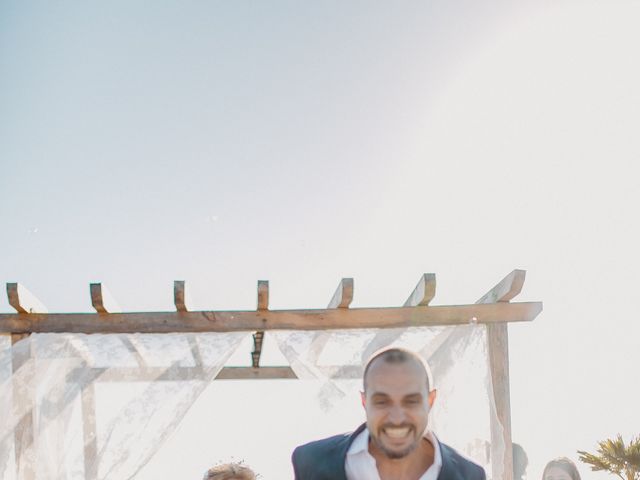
(22, 300)
(343, 295)
(258, 337)
(102, 300)
(341, 299)
(498, 346)
(249, 373)
(263, 294)
(180, 298)
(173, 373)
(16, 337)
(421, 295)
(424, 292)
(240, 321)
(506, 289)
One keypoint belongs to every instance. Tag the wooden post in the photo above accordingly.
(24, 302)
(498, 344)
(24, 435)
(258, 337)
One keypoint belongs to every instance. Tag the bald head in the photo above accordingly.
(396, 356)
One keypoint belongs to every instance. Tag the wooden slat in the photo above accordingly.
(22, 300)
(258, 337)
(173, 373)
(421, 295)
(498, 346)
(236, 321)
(102, 300)
(341, 299)
(263, 294)
(248, 373)
(180, 298)
(424, 292)
(343, 295)
(506, 289)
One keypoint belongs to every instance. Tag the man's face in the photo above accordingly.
(397, 405)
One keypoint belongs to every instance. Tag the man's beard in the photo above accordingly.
(394, 454)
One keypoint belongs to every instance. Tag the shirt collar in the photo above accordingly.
(361, 444)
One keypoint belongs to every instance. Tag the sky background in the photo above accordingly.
(226, 142)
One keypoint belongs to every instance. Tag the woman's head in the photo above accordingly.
(230, 471)
(560, 469)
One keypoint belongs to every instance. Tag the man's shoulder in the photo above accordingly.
(464, 465)
(335, 443)
(323, 459)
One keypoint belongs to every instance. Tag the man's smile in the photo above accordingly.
(397, 433)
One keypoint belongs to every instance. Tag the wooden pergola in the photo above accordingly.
(493, 309)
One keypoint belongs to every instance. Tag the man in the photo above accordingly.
(230, 471)
(394, 443)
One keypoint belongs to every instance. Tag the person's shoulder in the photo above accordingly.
(469, 468)
(322, 446)
(321, 458)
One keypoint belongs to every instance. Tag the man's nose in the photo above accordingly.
(397, 415)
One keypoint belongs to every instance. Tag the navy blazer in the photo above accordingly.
(324, 460)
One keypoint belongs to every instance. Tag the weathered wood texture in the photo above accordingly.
(424, 292)
(263, 294)
(16, 337)
(258, 337)
(180, 298)
(343, 295)
(498, 344)
(22, 300)
(248, 373)
(234, 321)
(102, 300)
(174, 373)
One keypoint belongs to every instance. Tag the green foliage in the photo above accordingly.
(615, 457)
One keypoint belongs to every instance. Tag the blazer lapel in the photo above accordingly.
(450, 469)
(338, 461)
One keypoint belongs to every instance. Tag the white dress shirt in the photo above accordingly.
(360, 464)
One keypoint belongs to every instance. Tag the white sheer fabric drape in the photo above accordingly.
(464, 407)
(98, 406)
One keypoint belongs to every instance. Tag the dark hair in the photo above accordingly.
(520, 461)
(564, 464)
(396, 355)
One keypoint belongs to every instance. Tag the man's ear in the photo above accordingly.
(363, 399)
(432, 397)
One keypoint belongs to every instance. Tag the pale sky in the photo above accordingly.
(222, 143)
